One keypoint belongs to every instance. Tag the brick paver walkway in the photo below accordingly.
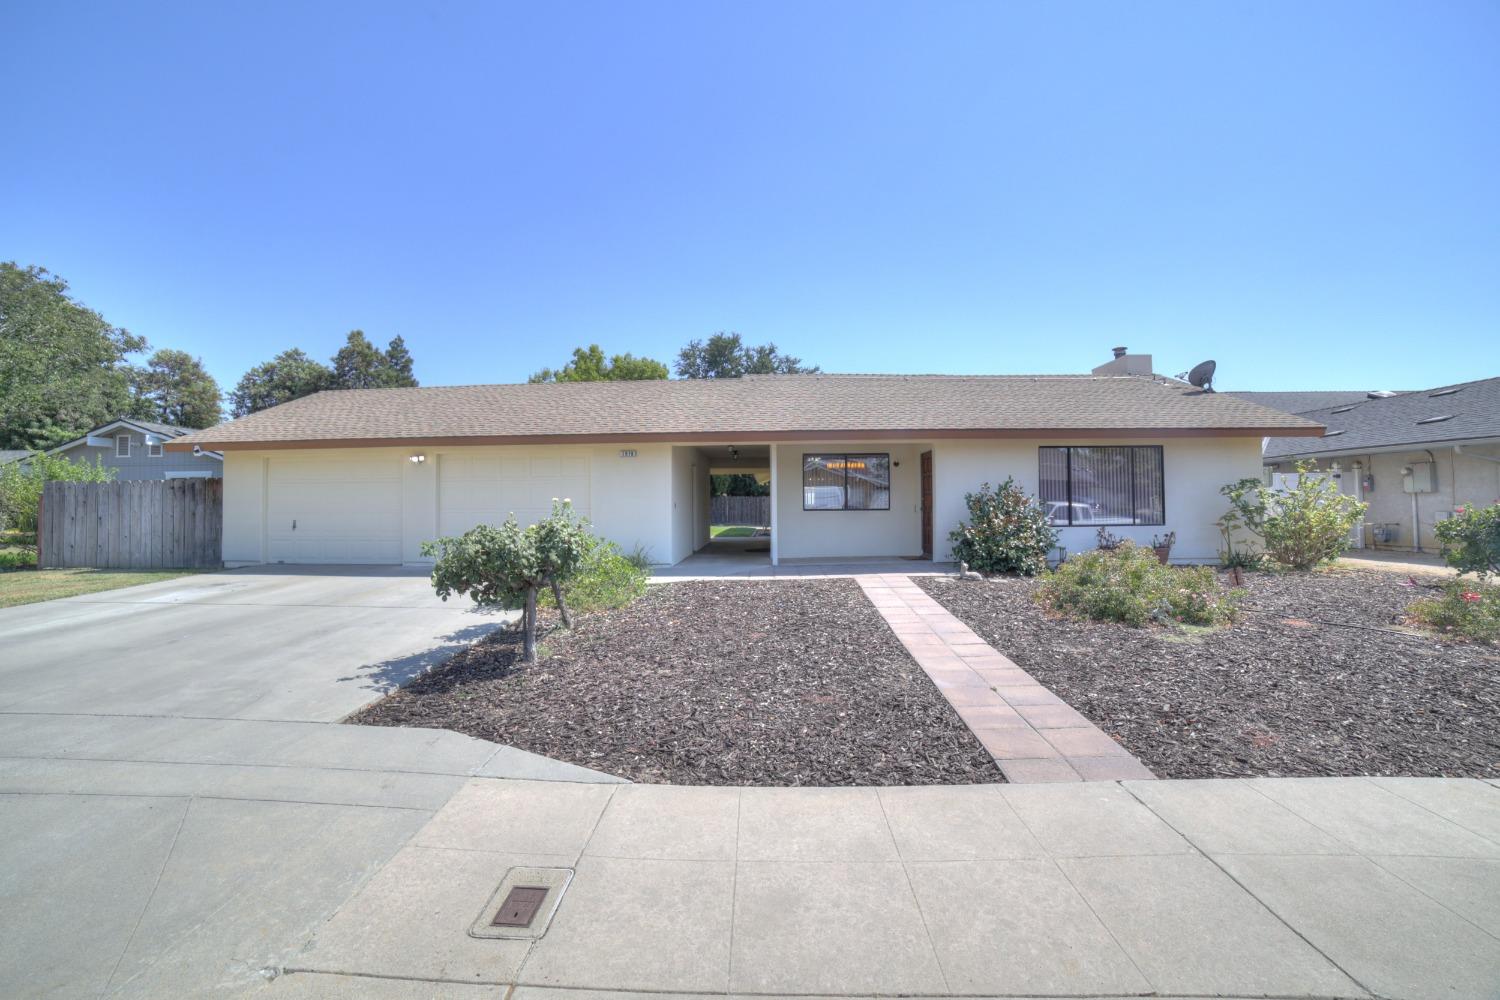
(1032, 733)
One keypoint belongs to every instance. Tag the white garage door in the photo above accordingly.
(334, 510)
(484, 489)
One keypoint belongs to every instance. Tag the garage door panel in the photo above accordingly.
(485, 491)
(334, 511)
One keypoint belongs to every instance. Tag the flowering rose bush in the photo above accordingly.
(1466, 609)
(1471, 539)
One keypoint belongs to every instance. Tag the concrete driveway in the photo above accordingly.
(310, 644)
(178, 807)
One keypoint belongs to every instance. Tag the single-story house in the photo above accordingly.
(136, 449)
(859, 465)
(1412, 456)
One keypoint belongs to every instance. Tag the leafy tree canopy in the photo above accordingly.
(173, 387)
(739, 485)
(288, 376)
(359, 364)
(590, 365)
(62, 365)
(725, 355)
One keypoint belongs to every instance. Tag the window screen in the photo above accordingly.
(1103, 485)
(846, 482)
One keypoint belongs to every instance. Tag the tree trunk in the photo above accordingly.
(528, 627)
(562, 606)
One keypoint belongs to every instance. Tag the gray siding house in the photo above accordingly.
(134, 449)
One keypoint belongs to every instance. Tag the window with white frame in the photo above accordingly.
(1104, 485)
(122, 446)
(846, 482)
(153, 449)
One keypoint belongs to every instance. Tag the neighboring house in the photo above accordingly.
(13, 456)
(859, 465)
(1413, 457)
(1303, 402)
(136, 449)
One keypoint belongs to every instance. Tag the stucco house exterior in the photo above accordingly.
(1412, 456)
(136, 450)
(859, 465)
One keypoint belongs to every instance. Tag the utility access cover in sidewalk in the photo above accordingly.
(524, 903)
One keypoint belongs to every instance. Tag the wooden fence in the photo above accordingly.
(753, 511)
(147, 524)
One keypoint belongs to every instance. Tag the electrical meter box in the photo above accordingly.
(1419, 477)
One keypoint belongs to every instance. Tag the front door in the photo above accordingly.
(927, 504)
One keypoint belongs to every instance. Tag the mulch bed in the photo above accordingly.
(710, 683)
(1281, 692)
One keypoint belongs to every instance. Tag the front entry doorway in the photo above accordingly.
(926, 504)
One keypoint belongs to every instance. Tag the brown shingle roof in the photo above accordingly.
(767, 407)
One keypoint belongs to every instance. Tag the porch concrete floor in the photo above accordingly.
(730, 558)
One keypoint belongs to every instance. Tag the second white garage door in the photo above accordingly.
(334, 510)
(484, 488)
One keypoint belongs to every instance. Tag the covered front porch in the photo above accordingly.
(850, 504)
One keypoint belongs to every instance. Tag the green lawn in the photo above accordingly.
(730, 531)
(27, 586)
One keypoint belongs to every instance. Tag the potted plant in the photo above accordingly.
(1163, 546)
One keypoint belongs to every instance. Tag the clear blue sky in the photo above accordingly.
(1307, 192)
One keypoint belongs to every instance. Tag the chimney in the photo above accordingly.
(1125, 363)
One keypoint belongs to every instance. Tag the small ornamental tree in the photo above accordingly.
(498, 567)
(1300, 527)
(1471, 539)
(563, 545)
(1007, 532)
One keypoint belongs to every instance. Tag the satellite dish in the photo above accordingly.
(1202, 376)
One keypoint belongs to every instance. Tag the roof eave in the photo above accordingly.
(747, 436)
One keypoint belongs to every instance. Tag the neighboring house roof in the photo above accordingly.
(144, 426)
(11, 456)
(1306, 402)
(764, 407)
(1468, 411)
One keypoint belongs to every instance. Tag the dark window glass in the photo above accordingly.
(846, 482)
(1102, 485)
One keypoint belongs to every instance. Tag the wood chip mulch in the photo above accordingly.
(795, 682)
(1283, 691)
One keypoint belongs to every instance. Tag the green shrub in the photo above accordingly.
(17, 559)
(1007, 532)
(21, 488)
(607, 580)
(1471, 539)
(1301, 527)
(1129, 584)
(1467, 609)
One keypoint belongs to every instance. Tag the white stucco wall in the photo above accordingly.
(804, 534)
(1461, 479)
(649, 499)
(689, 502)
(629, 498)
(1193, 470)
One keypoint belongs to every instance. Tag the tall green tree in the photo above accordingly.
(590, 365)
(288, 376)
(62, 365)
(725, 355)
(173, 387)
(359, 364)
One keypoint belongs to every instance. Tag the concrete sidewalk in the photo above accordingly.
(1311, 887)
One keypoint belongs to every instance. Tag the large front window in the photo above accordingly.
(846, 482)
(1103, 485)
